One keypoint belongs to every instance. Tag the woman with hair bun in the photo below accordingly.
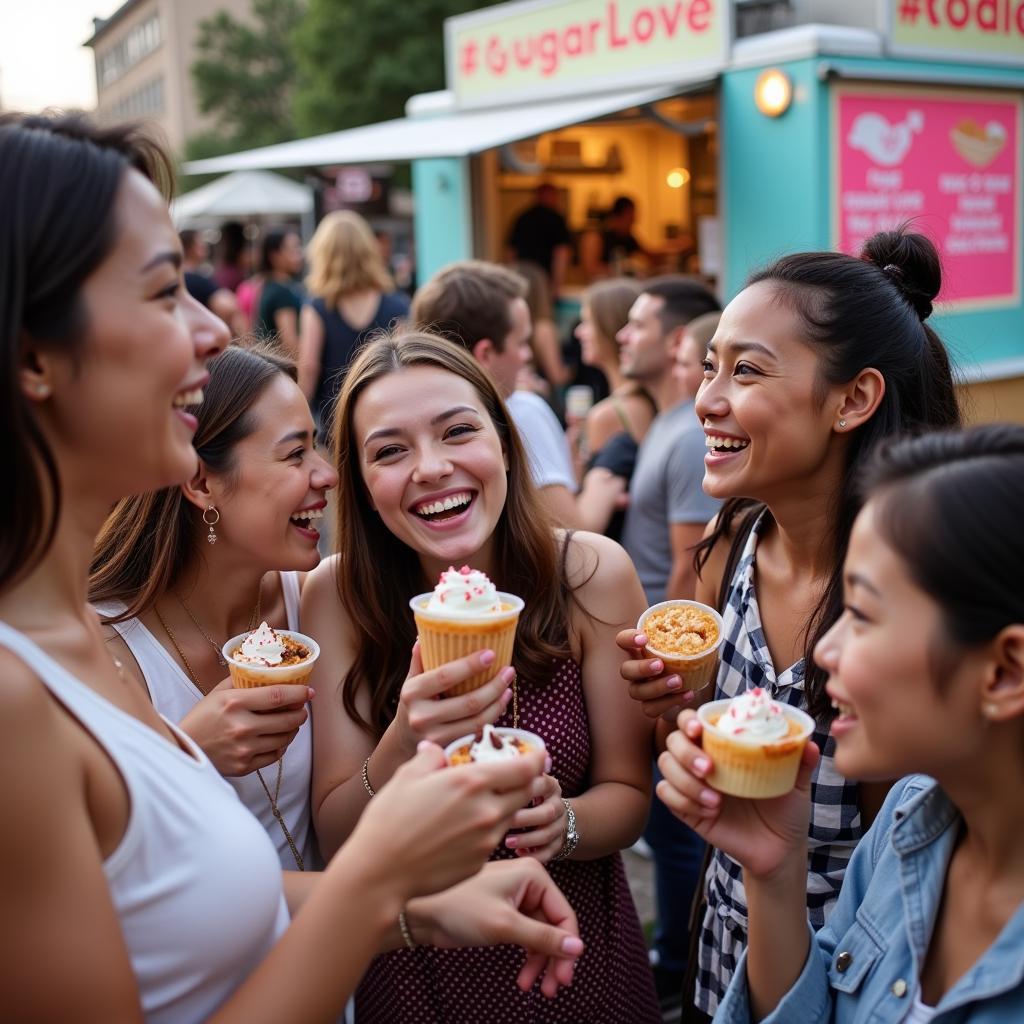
(818, 360)
(925, 676)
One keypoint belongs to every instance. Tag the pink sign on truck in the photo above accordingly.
(947, 161)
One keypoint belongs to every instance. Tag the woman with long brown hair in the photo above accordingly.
(133, 882)
(433, 474)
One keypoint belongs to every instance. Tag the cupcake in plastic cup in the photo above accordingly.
(492, 744)
(755, 744)
(686, 636)
(268, 656)
(464, 613)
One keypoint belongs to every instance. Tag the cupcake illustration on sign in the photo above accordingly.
(886, 144)
(976, 144)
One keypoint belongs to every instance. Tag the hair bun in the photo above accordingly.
(911, 262)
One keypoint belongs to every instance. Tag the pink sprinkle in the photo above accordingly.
(465, 570)
(468, 596)
(757, 691)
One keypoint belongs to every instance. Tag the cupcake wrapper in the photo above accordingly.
(250, 679)
(444, 642)
(695, 673)
(753, 772)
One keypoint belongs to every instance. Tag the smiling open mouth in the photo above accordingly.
(724, 444)
(183, 399)
(305, 519)
(444, 508)
(845, 710)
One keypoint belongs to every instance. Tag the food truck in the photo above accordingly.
(740, 130)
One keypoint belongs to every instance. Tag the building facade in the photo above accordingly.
(144, 54)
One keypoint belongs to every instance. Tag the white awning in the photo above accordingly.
(445, 135)
(243, 194)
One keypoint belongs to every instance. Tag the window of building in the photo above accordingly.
(146, 101)
(141, 41)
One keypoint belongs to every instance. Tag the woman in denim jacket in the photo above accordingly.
(926, 670)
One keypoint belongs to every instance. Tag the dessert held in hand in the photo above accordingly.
(267, 656)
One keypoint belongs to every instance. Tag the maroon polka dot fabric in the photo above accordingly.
(613, 982)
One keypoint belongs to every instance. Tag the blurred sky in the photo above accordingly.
(42, 59)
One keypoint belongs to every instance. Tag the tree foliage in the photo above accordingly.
(245, 77)
(360, 60)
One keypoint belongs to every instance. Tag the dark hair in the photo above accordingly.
(468, 301)
(622, 204)
(273, 241)
(232, 242)
(949, 504)
(148, 539)
(187, 236)
(377, 574)
(683, 299)
(857, 315)
(59, 180)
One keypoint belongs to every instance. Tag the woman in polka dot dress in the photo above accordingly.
(434, 475)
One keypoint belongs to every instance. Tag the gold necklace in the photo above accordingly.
(275, 810)
(253, 622)
(515, 703)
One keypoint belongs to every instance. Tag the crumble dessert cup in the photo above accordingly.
(492, 744)
(686, 636)
(267, 656)
(755, 744)
(464, 613)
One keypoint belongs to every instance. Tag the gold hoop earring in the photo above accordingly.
(211, 537)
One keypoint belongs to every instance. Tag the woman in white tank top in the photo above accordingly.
(174, 598)
(134, 884)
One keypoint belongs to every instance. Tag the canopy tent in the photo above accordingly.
(455, 134)
(243, 194)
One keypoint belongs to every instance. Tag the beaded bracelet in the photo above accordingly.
(403, 926)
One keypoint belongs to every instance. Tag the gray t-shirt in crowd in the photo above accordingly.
(666, 488)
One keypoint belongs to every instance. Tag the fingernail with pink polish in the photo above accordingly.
(674, 683)
(486, 657)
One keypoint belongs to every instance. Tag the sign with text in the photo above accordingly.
(545, 49)
(987, 30)
(950, 163)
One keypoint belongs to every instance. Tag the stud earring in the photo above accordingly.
(989, 710)
(41, 390)
(842, 424)
(211, 537)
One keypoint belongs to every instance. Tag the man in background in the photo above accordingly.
(540, 235)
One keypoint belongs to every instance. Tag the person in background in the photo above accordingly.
(545, 373)
(232, 264)
(820, 359)
(352, 297)
(541, 236)
(925, 671)
(628, 408)
(280, 296)
(611, 251)
(125, 853)
(482, 306)
(203, 288)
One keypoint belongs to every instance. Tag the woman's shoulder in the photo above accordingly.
(594, 562)
(322, 581)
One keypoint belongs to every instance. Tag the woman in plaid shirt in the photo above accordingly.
(819, 359)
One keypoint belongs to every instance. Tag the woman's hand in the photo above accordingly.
(660, 695)
(431, 826)
(545, 825)
(759, 834)
(424, 713)
(242, 730)
(507, 902)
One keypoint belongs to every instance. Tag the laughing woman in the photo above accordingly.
(174, 597)
(133, 882)
(926, 670)
(820, 359)
(417, 423)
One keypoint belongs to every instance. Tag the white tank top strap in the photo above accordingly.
(290, 588)
(194, 880)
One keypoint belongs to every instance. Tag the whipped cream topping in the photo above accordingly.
(492, 747)
(754, 717)
(261, 647)
(464, 591)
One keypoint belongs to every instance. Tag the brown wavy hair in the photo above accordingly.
(376, 574)
(148, 539)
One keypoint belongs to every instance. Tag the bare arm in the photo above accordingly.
(561, 505)
(311, 347)
(559, 265)
(611, 813)
(286, 322)
(548, 353)
(682, 578)
(590, 256)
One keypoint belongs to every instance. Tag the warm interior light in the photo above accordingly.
(677, 177)
(773, 92)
